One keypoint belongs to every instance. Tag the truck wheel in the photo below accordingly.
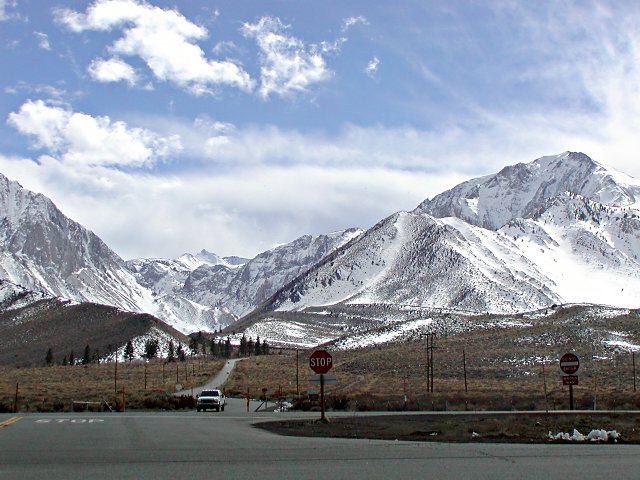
(222, 408)
(198, 409)
(217, 409)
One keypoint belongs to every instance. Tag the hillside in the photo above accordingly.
(559, 230)
(65, 326)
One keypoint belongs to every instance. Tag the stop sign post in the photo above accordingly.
(569, 364)
(321, 362)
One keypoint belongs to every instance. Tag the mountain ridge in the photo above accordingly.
(560, 229)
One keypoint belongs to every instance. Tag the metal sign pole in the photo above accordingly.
(571, 397)
(323, 418)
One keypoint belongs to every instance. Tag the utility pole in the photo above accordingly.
(430, 347)
(297, 376)
(433, 336)
(115, 375)
(464, 367)
(633, 359)
(544, 379)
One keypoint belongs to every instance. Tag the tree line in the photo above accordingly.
(216, 347)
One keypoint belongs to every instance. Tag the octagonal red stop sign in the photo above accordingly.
(321, 361)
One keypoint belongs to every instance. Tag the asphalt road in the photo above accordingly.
(224, 445)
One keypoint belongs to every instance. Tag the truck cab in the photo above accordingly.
(212, 399)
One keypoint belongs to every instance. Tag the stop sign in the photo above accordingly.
(569, 363)
(321, 361)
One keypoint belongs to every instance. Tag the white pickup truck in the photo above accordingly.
(211, 399)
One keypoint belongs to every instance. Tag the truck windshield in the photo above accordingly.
(210, 393)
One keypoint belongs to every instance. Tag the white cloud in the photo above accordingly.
(163, 39)
(349, 22)
(288, 66)
(112, 70)
(593, 103)
(79, 138)
(5, 5)
(240, 214)
(43, 40)
(240, 202)
(372, 66)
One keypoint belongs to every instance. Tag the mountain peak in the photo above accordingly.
(517, 191)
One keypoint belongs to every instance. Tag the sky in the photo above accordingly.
(168, 127)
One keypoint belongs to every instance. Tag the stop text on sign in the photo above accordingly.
(320, 361)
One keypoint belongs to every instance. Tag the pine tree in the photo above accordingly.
(193, 346)
(129, 351)
(72, 359)
(243, 345)
(213, 347)
(86, 358)
(257, 347)
(49, 357)
(250, 347)
(181, 355)
(171, 354)
(227, 348)
(151, 348)
(265, 348)
(65, 362)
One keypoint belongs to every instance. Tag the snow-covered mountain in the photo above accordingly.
(235, 286)
(521, 190)
(561, 229)
(14, 296)
(165, 276)
(42, 250)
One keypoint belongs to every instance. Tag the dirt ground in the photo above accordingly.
(476, 427)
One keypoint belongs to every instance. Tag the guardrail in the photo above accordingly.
(104, 405)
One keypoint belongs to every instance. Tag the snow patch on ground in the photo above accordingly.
(386, 334)
(596, 435)
(139, 343)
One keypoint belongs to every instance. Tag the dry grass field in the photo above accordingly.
(145, 385)
(501, 375)
(394, 377)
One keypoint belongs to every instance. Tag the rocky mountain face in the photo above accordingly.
(561, 229)
(43, 250)
(236, 286)
(14, 296)
(521, 190)
(43, 253)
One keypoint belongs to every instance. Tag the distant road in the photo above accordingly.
(217, 381)
(223, 445)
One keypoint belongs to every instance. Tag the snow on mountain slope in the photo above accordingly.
(519, 190)
(242, 288)
(14, 296)
(43, 250)
(414, 259)
(589, 251)
(571, 234)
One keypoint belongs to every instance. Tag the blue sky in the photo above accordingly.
(168, 127)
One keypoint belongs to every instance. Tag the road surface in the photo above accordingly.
(224, 445)
(217, 381)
